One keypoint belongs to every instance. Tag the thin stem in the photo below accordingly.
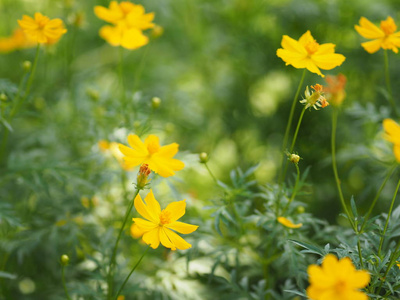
(392, 261)
(294, 190)
(129, 275)
(289, 124)
(63, 283)
(112, 260)
(19, 100)
(359, 252)
(388, 85)
(377, 197)
(334, 166)
(387, 219)
(211, 174)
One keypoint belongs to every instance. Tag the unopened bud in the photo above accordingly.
(26, 65)
(157, 31)
(64, 260)
(155, 102)
(3, 97)
(142, 176)
(300, 209)
(93, 94)
(203, 157)
(294, 158)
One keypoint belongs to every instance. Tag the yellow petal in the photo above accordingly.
(152, 238)
(369, 30)
(327, 48)
(176, 209)
(136, 232)
(169, 151)
(111, 34)
(292, 45)
(291, 58)
(288, 223)
(176, 240)
(133, 38)
(144, 211)
(152, 140)
(306, 38)
(181, 227)
(165, 167)
(392, 130)
(312, 67)
(144, 225)
(165, 241)
(328, 61)
(153, 204)
(359, 279)
(135, 142)
(396, 150)
(372, 46)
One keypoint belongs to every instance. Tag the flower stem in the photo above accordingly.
(387, 218)
(112, 260)
(377, 197)
(211, 174)
(334, 166)
(289, 124)
(63, 282)
(294, 190)
(129, 275)
(392, 261)
(388, 85)
(359, 252)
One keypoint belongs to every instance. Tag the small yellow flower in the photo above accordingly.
(14, 42)
(398, 264)
(307, 53)
(159, 158)
(335, 93)
(103, 145)
(336, 279)
(288, 223)
(121, 35)
(160, 225)
(41, 29)
(316, 98)
(392, 130)
(384, 37)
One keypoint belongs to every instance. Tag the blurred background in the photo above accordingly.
(223, 91)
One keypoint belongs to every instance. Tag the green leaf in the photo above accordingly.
(309, 248)
(353, 206)
(7, 275)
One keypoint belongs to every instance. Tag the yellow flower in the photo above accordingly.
(159, 158)
(307, 53)
(384, 37)
(288, 223)
(125, 12)
(160, 225)
(392, 130)
(16, 41)
(121, 35)
(335, 89)
(336, 279)
(41, 29)
(104, 145)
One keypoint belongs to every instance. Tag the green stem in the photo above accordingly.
(377, 197)
(289, 124)
(129, 275)
(211, 174)
(388, 85)
(334, 166)
(387, 218)
(63, 283)
(294, 190)
(359, 251)
(114, 253)
(392, 261)
(19, 101)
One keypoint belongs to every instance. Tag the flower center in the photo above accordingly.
(312, 47)
(165, 217)
(153, 147)
(340, 287)
(388, 26)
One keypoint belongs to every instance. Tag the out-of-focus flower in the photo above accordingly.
(316, 98)
(335, 92)
(307, 53)
(288, 223)
(120, 35)
(336, 279)
(159, 158)
(160, 225)
(384, 37)
(14, 42)
(157, 31)
(103, 145)
(41, 29)
(392, 130)
(398, 264)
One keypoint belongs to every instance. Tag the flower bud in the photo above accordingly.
(157, 31)
(203, 157)
(301, 209)
(64, 260)
(26, 65)
(155, 102)
(294, 158)
(144, 172)
(3, 97)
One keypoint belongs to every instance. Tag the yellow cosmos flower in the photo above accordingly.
(159, 158)
(307, 53)
(336, 279)
(121, 35)
(132, 15)
(335, 92)
(14, 42)
(384, 37)
(160, 225)
(41, 29)
(392, 130)
(288, 223)
(104, 145)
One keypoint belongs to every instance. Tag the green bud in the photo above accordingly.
(294, 158)
(301, 209)
(64, 260)
(203, 157)
(155, 102)
(3, 97)
(26, 65)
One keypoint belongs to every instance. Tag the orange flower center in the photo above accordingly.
(153, 147)
(388, 26)
(340, 287)
(165, 217)
(312, 47)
